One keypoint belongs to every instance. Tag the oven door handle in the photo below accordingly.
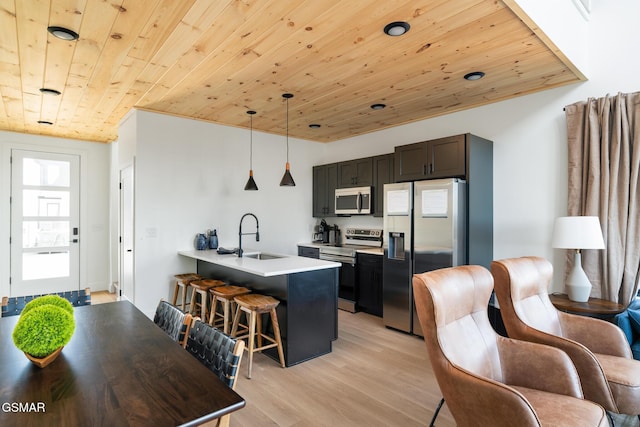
(338, 259)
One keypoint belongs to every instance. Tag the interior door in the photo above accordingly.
(45, 216)
(126, 234)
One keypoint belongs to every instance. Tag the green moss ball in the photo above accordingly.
(56, 300)
(41, 330)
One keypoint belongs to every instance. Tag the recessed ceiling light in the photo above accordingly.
(45, 122)
(397, 28)
(378, 106)
(314, 126)
(48, 91)
(476, 75)
(63, 33)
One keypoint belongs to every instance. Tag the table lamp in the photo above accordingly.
(577, 233)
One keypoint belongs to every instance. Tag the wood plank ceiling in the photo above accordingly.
(214, 60)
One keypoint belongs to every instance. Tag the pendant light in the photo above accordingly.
(251, 184)
(287, 179)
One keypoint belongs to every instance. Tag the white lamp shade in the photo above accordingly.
(577, 232)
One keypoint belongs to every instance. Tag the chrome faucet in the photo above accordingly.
(240, 233)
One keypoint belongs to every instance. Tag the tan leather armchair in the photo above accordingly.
(487, 379)
(599, 349)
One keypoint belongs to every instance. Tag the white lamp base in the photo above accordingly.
(578, 285)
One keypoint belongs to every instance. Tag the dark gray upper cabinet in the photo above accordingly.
(325, 181)
(355, 173)
(437, 158)
(382, 174)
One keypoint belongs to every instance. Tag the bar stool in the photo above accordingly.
(224, 295)
(182, 285)
(254, 305)
(201, 287)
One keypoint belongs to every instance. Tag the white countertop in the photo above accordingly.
(362, 249)
(288, 264)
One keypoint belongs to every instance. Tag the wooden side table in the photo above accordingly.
(595, 307)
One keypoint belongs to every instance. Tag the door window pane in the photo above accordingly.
(45, 172)
(45, 234)
(45, 265)
(45, 203)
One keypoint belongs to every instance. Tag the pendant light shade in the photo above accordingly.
(287, 179)
(251, 183)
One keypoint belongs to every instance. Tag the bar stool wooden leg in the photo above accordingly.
(176, 290)
(252, 334)
(203, 305)
(192, 304)
(212, 316)
(276, 333)
(226, 308)
(236, 322)
(184, 297)
(259, 329)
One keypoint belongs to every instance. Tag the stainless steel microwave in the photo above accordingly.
(353, 201)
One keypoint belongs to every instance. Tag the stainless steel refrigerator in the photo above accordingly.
(424, 230)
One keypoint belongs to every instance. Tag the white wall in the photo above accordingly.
(190, 174)
(94, 204)
(190, 177)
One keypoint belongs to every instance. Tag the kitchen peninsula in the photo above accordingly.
(306, 288)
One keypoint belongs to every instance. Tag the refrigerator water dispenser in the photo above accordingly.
(396, 246)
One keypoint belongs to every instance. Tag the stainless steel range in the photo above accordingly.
(354, 239)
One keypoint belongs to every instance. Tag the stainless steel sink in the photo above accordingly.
(264, 256)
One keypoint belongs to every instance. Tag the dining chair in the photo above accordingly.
(599, 349)
(485, 378)
(217, 351)
(175, 322)
(12, 306)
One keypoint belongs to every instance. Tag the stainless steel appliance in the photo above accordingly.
(325, 233)
(353, 201)
(354, 239)
(424, 229)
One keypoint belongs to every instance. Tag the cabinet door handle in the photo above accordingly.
(424, 169)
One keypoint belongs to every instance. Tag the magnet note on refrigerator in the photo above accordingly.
(435, 203)
(398, 202)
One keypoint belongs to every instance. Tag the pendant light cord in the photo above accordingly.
(287, 130)
(251, 142)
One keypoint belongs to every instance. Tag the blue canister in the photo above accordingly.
(213, 240)
(201, 242)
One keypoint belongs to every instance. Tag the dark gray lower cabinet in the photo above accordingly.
(370, 284)
(308, 252)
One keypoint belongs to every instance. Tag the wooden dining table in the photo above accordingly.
(119, 369)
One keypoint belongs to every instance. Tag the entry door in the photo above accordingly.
(126, 234)
(45, 217)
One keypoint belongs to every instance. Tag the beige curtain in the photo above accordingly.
(604, 158)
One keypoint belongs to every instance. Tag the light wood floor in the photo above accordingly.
(100, 297)
(373, 377)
